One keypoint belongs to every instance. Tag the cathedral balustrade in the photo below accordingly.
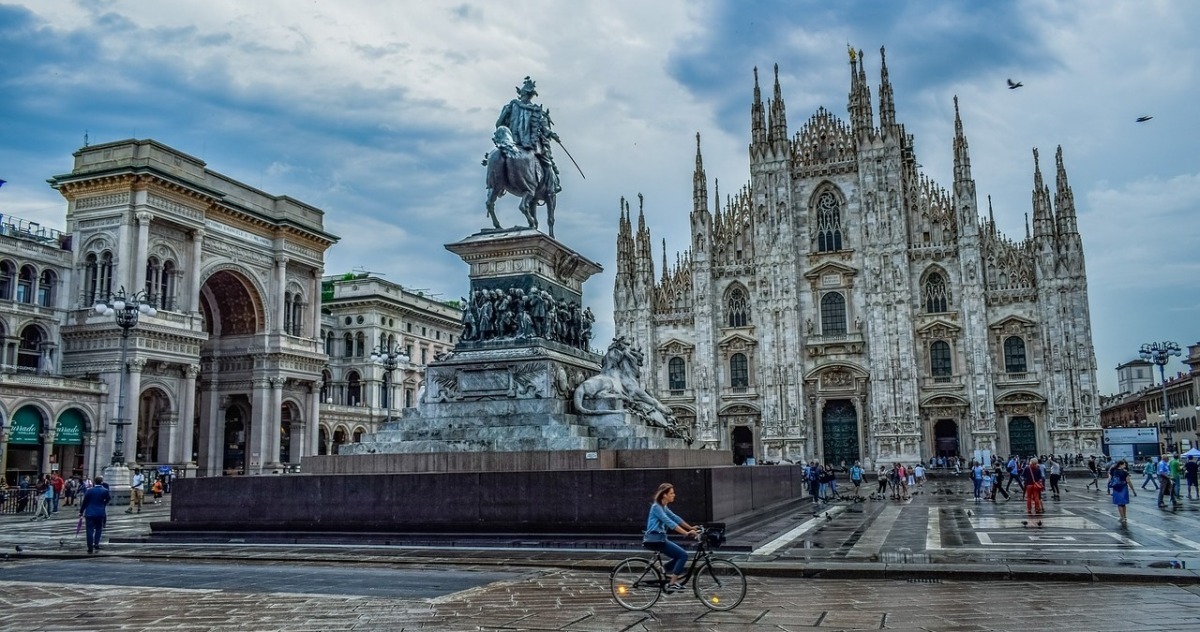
(1029, 378)
(942, 382)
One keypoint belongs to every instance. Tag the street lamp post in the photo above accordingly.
(1160, 353)
(391, 358)
(125, 308)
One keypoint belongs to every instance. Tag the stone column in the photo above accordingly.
(47, 447)
(314, 327)
(187, 416)
(194, 291)
(133, 392)
(260, 421)
(168, 438)
(271, 456)
(143, 245)
(280, 285)
(313, 419)
(212, 424)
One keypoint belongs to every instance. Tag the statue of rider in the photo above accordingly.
(530, 125)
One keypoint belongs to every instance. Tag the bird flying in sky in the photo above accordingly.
(1013, 85)
(1143, 119)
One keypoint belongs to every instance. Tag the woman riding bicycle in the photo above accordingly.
(662, 521)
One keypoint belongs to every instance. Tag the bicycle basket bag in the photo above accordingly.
(715, 534)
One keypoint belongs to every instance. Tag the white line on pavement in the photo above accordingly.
(787, 538)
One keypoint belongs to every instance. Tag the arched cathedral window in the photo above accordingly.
(833, 314)
(940, 364)
(677, 374)
(936, 295)
(829, 223)
(1014, 355)
(737, 308)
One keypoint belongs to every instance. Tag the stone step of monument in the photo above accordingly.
(641, 443)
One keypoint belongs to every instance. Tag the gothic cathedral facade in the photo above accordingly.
(843, 307)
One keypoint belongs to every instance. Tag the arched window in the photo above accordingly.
(327, 336)
(166, 286)
(106, 274)
(348, 344)
(677, 374)
(8, 276)
(737, 308)
(153, 274)
(829, 223)
(360, 344)
(353, 389)
(833, 314)
(939, 359)
(739, 371)
(288, 312)
(297, 315)
(91, 279)
(1014, 354)
(326, 386)
(29, 353)
(936, 294)
(45, 289)
(25, 284)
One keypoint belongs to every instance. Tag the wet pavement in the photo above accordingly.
(898, 565)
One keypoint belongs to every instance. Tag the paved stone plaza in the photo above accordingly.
(909, 565)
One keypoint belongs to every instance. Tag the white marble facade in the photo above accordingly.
(841, 305)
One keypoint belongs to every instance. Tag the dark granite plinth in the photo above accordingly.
(574, 501)
(513, 461)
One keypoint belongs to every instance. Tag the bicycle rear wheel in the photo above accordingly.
(636, 583)
(720, 584)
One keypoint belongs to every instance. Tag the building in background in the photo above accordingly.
(362, 314)
(842, 306)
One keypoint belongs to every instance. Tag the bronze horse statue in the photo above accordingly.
(519, 171)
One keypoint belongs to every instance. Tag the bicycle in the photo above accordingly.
(637, 583)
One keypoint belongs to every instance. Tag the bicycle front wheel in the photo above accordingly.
(636, 583)
(720, 584)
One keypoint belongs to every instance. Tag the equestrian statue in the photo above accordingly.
(522, 162)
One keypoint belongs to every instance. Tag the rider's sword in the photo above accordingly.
(564, 148)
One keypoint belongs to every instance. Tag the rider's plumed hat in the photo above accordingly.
(530, 86)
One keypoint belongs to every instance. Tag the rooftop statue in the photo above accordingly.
(522, 163)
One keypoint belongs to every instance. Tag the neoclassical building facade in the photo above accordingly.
(842, 306)
(226, 376)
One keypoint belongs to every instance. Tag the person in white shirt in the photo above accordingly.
(136, 492)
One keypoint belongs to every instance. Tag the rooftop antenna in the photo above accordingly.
(364, 270)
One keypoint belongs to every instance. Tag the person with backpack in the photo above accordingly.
(856, 478)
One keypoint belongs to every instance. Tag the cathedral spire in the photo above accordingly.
(1043, 221)
(758, 119)
(962, 154)
(664, 259)
(778, 128)
(991, 218)
(887, 103)
(699, 182)
(1064, 199)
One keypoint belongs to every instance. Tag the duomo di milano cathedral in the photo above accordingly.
(842, 306)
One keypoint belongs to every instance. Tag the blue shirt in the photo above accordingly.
(661, 520)
(95, 501)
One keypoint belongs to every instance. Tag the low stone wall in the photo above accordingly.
(612, 501)
(534, 460)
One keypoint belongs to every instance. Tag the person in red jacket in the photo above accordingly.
(57, 483)
(1035, 482)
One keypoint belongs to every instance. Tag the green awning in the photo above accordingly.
(26, 426)
(69, 430)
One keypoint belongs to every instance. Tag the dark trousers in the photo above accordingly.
(674, 551)
(95, 527)
(1054, 483)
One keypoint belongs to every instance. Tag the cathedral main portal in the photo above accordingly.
(839, 427)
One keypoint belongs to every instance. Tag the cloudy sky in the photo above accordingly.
(379, 113)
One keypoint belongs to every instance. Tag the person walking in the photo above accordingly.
(137, 489)
(94, 510)
(1176, 467)
(1150, 471)
(997, 480)
(45, 496)
(977, 480)
(1094, 470)
(57, 483)
(1119, 475)
(1055, 476)
(1034, 484)
(856, 478)
(1163, 469)
(1191, 470)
